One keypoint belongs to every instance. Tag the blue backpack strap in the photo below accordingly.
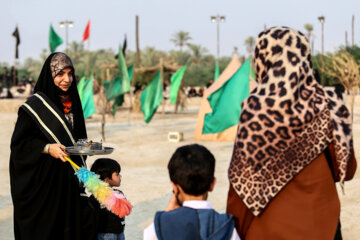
(179, 224)
(215, 226)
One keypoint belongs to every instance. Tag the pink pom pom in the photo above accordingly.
(110, 201)
(122, 207)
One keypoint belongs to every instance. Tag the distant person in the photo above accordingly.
(188, 215)
(137, 87)
(209, 83)
(23, 81)
(192, 92)
(200, 92)
(294, 141)
(7, 78)
(166, 91)
(32, 85)
(110, 225)
(14, 76)
(9, 94)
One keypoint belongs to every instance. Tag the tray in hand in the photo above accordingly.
(79, 151)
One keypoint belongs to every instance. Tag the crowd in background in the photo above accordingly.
(9, 80)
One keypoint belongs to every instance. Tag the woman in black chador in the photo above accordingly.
(49, 202)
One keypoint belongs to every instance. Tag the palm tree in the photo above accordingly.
(180, 38)
(309, 28)
(250, 43)
(149, 57)
(198, 53)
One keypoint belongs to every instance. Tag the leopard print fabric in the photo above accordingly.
(286, 122)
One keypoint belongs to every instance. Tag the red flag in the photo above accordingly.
(86, 32)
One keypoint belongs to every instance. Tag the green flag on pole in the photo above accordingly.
(54, 39)
(119, 100)
(217, 71)
(87, 100)
(123, 73)
(130, 70)
(151, 97)
(80, 86)
(176, 80)
(226, 101)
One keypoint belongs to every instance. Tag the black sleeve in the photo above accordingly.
(27, 142)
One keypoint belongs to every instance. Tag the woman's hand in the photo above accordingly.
(58, 151)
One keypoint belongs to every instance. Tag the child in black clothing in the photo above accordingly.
(110, 227)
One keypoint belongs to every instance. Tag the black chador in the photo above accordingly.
(48, 199)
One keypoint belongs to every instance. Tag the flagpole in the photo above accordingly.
(162, 83)
(88, 65)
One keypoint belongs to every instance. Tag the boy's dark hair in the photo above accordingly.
(105, 167)
(192, 167)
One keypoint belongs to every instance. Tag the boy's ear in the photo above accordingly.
(174, 187)
(107, 179)
(212, 185)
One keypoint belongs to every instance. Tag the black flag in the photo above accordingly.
(17, 36)
(123, 48)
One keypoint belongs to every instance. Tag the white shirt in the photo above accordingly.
(150, 234)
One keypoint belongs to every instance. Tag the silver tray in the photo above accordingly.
(77, 151)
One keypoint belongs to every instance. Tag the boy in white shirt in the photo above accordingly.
(188, 214)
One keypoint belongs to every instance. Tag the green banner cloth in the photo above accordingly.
(226, 101)
(114, 88)
(176, 80)
(130, 70)
(87, 100)
(119, 100)
(217, 71)
(151, 97)
(123, 73)
(54, 39)
(80, 86)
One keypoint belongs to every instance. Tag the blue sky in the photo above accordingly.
(159, 19)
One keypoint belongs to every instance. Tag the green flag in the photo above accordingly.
(217, 71)
(112, 88)
(130, 71)
(54, 39)
(226, 101)
(115, 87)
(123, 73)
(151, 97)
(120, 99)
(87, 100)
(80, 86)
(175, 83)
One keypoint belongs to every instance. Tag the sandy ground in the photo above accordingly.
(143, 152)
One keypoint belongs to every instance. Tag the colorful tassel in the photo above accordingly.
(112, 200)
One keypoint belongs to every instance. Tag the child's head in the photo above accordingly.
(192, 168)
(108, 169)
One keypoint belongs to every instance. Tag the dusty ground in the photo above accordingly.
(143, 152)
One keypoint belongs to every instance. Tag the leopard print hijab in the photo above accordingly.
(286, 122)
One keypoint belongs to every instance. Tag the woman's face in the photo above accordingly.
(64, 79)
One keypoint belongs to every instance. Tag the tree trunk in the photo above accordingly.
(137, 59)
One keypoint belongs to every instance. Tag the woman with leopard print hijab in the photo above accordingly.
(294, 140)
